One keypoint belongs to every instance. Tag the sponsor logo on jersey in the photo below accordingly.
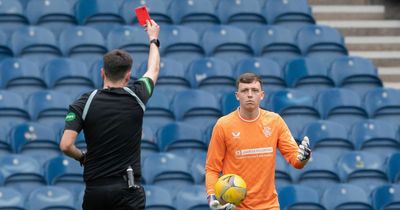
(70, 117)
(254, 152)
(236, 134)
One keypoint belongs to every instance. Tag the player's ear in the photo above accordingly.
(237, 97)
(127, 76)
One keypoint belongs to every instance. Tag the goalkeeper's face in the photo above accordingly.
(249, 95)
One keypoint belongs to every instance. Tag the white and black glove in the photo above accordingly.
(304, 152)
(215, 205)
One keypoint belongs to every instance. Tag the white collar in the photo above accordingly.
(252, 120)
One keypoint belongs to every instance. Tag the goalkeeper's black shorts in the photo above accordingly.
(113, 194)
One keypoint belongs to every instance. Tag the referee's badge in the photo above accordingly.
(267, 131)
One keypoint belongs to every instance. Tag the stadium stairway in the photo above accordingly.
(367, 33)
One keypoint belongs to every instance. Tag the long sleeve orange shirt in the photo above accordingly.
(248, 149)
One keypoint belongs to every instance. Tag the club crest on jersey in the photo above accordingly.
(267, 131)
(236, 134)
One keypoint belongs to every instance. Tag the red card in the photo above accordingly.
(142, 15)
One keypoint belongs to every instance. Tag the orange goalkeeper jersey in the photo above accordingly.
(248, 148)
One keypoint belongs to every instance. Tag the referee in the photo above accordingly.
(112, 122)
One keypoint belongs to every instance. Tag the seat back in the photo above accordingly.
(345, 196)
(384, 104)
(192, 197)
(393, 170)
(386, 197)
(158, 198)
(12, 109)
(48, 197)
(11, 199)
(12, 16)
(296, 197)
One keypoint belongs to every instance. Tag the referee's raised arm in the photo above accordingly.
(153, 63)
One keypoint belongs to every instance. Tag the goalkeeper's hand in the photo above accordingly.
(304, 152)
(215, 205)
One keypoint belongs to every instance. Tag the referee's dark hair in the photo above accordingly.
(116, 63)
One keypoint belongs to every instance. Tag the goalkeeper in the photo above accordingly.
(244, 142)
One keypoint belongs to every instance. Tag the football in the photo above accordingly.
(230, 188)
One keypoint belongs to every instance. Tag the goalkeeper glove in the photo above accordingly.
(215, 205)
(304, 152)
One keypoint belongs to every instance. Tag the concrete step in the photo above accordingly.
(380, 58)
(390, 76)
(348, 12)
(373, 43)
(338, 2)
(365, 27)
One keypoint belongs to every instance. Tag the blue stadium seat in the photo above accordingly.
(22, 76)
(375, 136)
(83, 43)
(172, 171)
(293, 14)
(328, 137)
(321, 42)
(21, 172)
(35, 43)
(55, 15)
(269, 71)
(295, 106)
(226, 42)
(356, 73)
(192, 198)
(197, 14)
(345, 196)
(282, 176)
(35, 140)
(148, 144)
(181, 139)
(95, 71)
(198, 167)
(229, 103)
(158, 198)
(386, 197)
(181, 43)
(132, 39)
(310, 75)
(11, 199)
(64, 172)
(275, 42)
(341, 105)
(383, 104)
(50, 197)
(212, 75)
(5, 146)
(393, 169)
(158, 112)
(245, 14)
(299, 197)
(5, 49)
(157, 11)
(12, 109)
(363, 169)
(48, 106)
(100, 14)
(69, 76)
(12, 16)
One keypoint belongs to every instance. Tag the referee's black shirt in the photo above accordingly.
(112, 128)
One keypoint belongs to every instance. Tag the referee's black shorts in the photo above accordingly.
(113, 194)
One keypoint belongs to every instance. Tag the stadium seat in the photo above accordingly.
(282, 176)
(158, 112)
(148, 144)
(83, 43)
(375, 136)
(197, 167)
(12, 16)
(386, 197)
(196, 107)
(35, 140)
(295, 106)
(22, 173)
(293, 14)
(12, 109)
(132, 39)
(226, 42)
(11, 199)
(321, 42)
(180, 138)
(172, 171)
(212, 75)
(328, 137)
(5, 146)
(50, 197)
(341, 105)
(69, 76)
(158, 198)
(48, 107)
(345, 196)
(229, 103)
(269, 71)
(64, 172)
(383, 104)
(197, 14)
(356, 73)
(21, 76)
(192, 198)
(55, 15)
(244, 14)
(157, 11)
(309, 75)
(5, 49)
(299, 197)
(99, 14)
(181, 43)
(363, 169)
(393, 168)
